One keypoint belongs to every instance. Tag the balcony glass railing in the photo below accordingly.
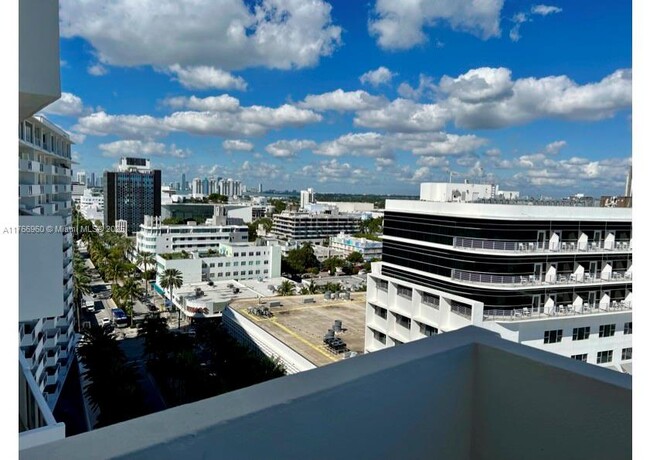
(519, 314)
(533, 246)
(533, 280)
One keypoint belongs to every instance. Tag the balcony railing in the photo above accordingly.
(533, 246)
(533, 280)
(555, 311)
(461, 310)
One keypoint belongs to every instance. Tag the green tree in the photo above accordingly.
(80, 286)
(354, 257)
(279, 205)
(171, 278)
(332, 263)
(217, 198)
(300, 259)
(111, 387)
(155, 330)
(127, 293)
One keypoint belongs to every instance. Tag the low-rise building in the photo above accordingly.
(232, 261)
(369, 249)
(154, 236)
(316, 228)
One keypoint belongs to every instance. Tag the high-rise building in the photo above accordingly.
(183, 183)
(555, 277)
(259, 188)
(92, 180)
(46, 314)
(81, 177)
(131, 193)
(197, 186)
(205, 186)
(306, 197)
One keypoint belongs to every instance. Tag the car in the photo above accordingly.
(106, 322)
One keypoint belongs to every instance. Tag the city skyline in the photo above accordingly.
(515, 94)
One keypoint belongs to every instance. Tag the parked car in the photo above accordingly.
(90, 306)
(106, 322)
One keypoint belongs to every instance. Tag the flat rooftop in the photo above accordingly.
(301, 326)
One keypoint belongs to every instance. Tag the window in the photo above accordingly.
(257, 253)
(627, 328)
(234, 264)
(382, 285)
(553, 336)
(604, 357)
(236, 254)
(626, 354)
(235, 273)
(212, 265)
(606, 330)
(227, 273)
(581, 333)
(431, 300)
(250, 254)
(220, 264)
(404, 292)
(428, 330)
(379, 337)
(402, 321)
(582, 357)
(381, 312)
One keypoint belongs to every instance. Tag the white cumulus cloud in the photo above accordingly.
(238, 145)
(141, 148)
(68, 105)
(207, 77)
(228, 34)
(342, 101)
(289, 148)
(379, 76)
(399, 24)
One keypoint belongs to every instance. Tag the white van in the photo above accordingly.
(90, 305)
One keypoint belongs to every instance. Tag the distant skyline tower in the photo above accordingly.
(628, 183)
(183, 182)
(81, 177)
(92, 179)
(259, 188)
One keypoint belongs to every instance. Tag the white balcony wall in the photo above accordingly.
(38, 63)
(40, 268)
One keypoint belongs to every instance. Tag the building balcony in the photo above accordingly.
(528, 247)
(556, 311)
(537, 281)
(52, 342)
(442, 371)
(51, 361)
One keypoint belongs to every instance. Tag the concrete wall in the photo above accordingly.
(542, 412)
(39, 68)
(40, 268)
(255, 337)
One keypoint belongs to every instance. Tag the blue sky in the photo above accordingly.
(358, 97)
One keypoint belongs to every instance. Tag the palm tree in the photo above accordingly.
(127, 292)
(170, 279)
(146, 258)
(80, 286)
(286, 288)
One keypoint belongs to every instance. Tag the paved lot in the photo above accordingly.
(302, 326)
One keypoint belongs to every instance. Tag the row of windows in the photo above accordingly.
(236, 264)
(243, 273)
(606, 356)
(582, 333)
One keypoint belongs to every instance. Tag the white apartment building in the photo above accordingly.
(46, 314)
(232, 261)
(316, 228)
(558, 278)
(306, 197)
(91, 198)
(348, 244)
(154, 236)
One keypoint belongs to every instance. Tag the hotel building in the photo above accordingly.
(310, 227)
(558, 278)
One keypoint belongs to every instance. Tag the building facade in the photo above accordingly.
(160, 238)
(232, 261)
(46, 314)
(316, 228)
(131, 193)
(348, 244)
(557, 278)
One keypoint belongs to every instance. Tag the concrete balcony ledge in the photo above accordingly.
(466, 394)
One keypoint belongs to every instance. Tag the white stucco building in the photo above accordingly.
(348, 244)
(232, 261)
(154, 236)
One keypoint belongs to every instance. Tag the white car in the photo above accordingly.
(106, 322)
